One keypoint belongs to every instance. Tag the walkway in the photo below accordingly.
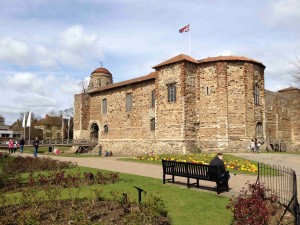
(236, 182)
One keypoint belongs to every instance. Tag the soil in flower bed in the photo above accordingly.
(78, 212)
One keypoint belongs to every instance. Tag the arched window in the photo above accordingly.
(152, 124)
(172, 93)
(104, 106)
(128, 102)
(153, 98)
(105, 129)
(259, 128)
(256, 94)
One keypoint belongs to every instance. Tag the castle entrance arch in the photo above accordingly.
(94, 132)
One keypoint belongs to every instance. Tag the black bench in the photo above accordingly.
(194, 171)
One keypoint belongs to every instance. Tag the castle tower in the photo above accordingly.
(100, 77)
(2, 120)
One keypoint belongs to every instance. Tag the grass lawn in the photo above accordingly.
(185, 206)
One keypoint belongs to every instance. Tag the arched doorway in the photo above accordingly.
(94, 132)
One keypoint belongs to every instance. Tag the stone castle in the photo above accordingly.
(187, 105)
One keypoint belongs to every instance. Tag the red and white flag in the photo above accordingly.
(185, 29)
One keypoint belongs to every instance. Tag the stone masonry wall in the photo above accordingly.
(81, 116)
(214, 111)
(124, 126)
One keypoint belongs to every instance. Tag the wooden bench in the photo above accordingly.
(194, 171)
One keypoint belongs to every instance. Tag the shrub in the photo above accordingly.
(30, 164)
(253, 206)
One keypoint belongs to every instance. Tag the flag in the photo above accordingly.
(29, 120)
(185, 29)
(23, 123)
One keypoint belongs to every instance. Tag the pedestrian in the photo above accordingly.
(258, 147)
(36, 143)
(255, 145)
(218, 161)
(15, 146)
(22, 143)
(252, 145)
(10, 146)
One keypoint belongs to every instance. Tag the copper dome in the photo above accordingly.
(101, 70)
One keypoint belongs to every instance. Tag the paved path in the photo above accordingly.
(287, 160)
(236, 182)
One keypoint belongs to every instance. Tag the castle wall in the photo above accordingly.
(81, 116)
(214, 110)
(283, 117)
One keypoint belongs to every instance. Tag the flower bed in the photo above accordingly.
(231, 162)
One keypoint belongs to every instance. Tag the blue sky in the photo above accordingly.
(48, 47)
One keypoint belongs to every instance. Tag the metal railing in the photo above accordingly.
(282, 182)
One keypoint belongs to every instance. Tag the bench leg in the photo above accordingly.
(173, 180)
(197, 183)
(164, 178)
(188, 182)
(218, 188)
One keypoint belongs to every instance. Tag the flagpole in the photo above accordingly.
(24, 126)
(29, 125)
(190, 42)
(29, 135)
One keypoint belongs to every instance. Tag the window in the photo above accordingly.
(207, 90)
(256, 94)
(152, 124)
(153, 98)
(172, 93)
(104, 106)
(259, 128)
(105, 129)
(128, 102)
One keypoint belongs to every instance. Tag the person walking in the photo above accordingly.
(36, 143)
(10, 146)
(22, 143)
(256, 145)
(252, 145)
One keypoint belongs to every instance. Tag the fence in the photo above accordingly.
(281, 181)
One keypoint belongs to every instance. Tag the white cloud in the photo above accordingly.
(39, 93)
(226, 53)
(44, 57)
(27, 82)
(282, 12)
(14, 51)
(75, 40)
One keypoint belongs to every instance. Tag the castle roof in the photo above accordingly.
(101, 70)
(183, 57)
(229, 58)
(175, 59)
(178, 58)
(150, 76)
(289, 89)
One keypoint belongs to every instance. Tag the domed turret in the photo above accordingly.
(100, 77)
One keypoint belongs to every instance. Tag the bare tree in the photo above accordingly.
(53, 113)
(296, 71)
(84, 86)
(66, 127)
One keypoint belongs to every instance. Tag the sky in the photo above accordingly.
(47, 47)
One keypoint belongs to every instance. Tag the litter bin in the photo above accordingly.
(100, 150)
(50, 149)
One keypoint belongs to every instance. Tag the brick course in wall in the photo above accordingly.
(214, 109)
